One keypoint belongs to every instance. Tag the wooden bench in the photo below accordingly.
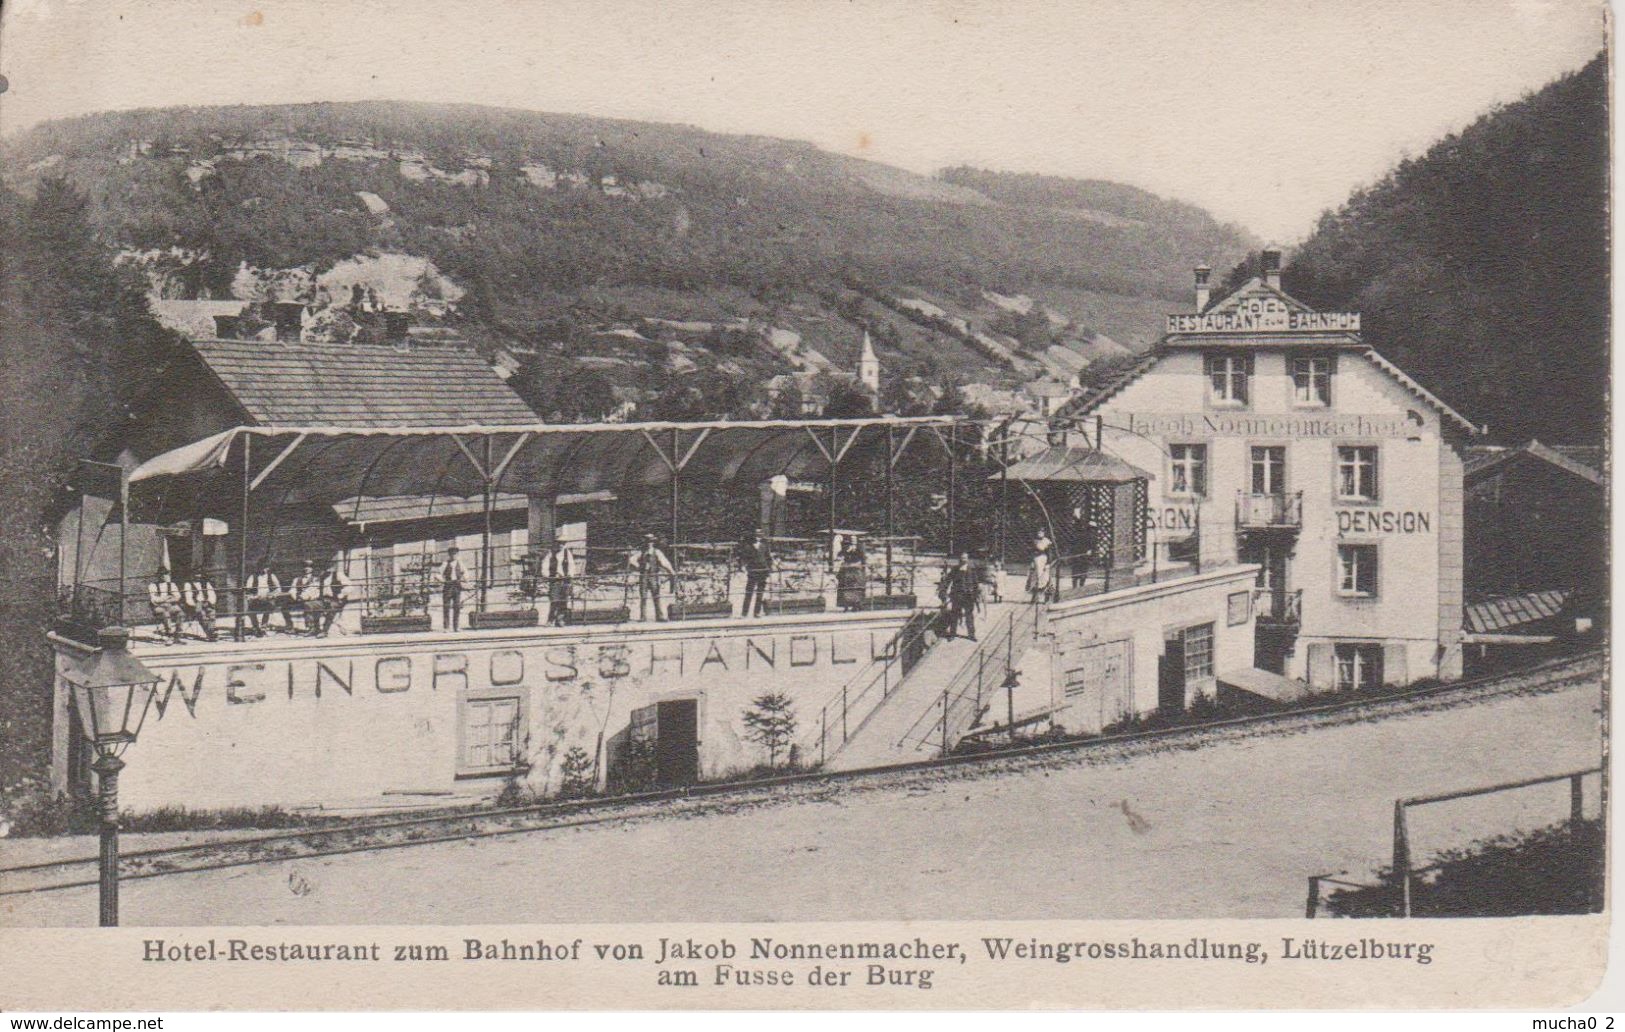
(891, 602)
(493, 618)
(787, 606)
(410, 624)
(699, 610)
(599, 614)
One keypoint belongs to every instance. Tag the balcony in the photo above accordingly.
(1278, 607)
(1269, 511)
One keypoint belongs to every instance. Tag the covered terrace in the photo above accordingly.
(239, 483)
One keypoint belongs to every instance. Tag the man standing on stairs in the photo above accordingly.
(963, 588)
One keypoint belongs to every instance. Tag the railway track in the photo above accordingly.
(78, 872)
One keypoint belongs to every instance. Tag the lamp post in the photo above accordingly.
(112, 693)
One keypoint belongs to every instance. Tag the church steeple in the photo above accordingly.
(869, 366)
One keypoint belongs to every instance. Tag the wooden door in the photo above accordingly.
(1171, 675)
(677, 746)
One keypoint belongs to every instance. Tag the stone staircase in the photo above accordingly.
(908, 725)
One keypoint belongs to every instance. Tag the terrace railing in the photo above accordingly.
(401, 592)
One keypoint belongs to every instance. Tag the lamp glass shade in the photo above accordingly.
(112, 693)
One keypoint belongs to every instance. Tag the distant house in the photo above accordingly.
(1536, 519)
(813, 396)
(219, 384)
(1049, 395)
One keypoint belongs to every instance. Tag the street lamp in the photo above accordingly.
(112, 693)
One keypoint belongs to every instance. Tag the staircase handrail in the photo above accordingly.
(836, 716)
(1003, 639)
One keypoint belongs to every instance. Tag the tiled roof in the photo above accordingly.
(1587, 455)
(1583, 461)
(1480, 456)
(1498, 615)
(362, 385)
(1060, 462)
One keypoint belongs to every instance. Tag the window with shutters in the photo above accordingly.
(1312, 381)
(490, 735)
(1357, 473)
(1357, 571)
(1359, 666)
(1188, 470)
(1228, 378)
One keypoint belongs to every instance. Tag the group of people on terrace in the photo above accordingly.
(312, 602)
(317, 596)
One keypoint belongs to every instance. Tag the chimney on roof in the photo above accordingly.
(1272, 267)
(396, 325)
(290, 318)
(1202, 292)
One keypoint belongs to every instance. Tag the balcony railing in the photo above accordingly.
(1278, 606)
(1269, 511)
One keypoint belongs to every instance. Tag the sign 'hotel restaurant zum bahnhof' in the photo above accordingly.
(1282, 439)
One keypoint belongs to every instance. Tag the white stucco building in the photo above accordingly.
(1280, 438)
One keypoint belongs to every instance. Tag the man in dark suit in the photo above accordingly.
(963, 588)
(757, 559)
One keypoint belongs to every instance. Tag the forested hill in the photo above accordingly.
(531, 216)
(1482, 268)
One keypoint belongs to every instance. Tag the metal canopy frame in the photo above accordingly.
(548, 458)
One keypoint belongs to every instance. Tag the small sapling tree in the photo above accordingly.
(771, 722)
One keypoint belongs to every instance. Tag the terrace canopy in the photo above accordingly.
(326, 465)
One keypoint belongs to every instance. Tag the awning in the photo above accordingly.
(422, 507)
(1504, 615)
(1062, 463)
(1264, 684)
(327, 465)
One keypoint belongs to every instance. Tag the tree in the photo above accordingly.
(78, 349)
(576, 773)
(771, 723)
(1482, 268)
(562, 395)
(952, 400)
(899, 398)
(787, 403)
(847, 400)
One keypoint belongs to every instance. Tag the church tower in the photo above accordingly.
(869, 366)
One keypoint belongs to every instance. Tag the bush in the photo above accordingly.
(576, 774)
(1559, 869)
(30, 808)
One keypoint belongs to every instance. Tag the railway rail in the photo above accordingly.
(78, 872)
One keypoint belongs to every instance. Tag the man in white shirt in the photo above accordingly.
(335, 593)
(165, 597)
(453, 582)
(199, 598)
(559, 567)
(264, 595)
(650, 563)
(307, 593)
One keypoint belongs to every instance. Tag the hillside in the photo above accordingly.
(525, 231)
(1482, 266)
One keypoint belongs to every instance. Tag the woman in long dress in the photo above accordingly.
(1042, 574)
